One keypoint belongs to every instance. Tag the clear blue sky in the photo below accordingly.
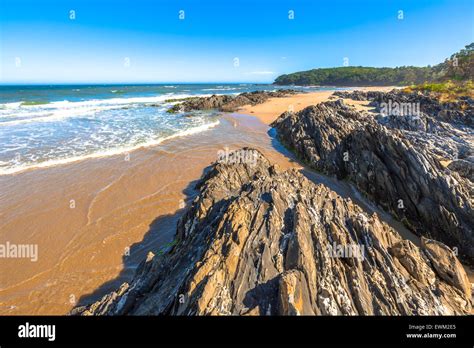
(39, 43)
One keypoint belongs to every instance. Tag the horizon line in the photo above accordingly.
(126, 83)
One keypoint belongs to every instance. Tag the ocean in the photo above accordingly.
(48, 125)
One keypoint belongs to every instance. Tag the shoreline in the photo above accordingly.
(122, 209)
(110, 152)
(118, 204)
(266, 112)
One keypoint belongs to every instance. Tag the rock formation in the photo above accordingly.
(417, 166)
(228, 103)
(260, 241)
(460, 111)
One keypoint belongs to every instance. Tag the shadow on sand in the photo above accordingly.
(161, 232)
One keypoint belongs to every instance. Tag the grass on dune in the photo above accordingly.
(446, 91)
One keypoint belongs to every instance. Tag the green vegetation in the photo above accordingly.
(447, 90)
(357, 76)
(459, 67)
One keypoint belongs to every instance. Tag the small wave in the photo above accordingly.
(33, 102)
(108, 153)
(221, 89)
(95, 102)
(55, 111)
(57, 115)
(12, 105)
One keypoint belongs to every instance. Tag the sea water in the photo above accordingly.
(49, 125)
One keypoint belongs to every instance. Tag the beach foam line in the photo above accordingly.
(57, 115)
(56, 111)
(107, 153)
(222, 89)
(105, 101)
(94, 102)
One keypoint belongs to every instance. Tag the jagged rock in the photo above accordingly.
(293, 293)
(260, 241)
(403, 169)
(409, 256)
(460, 111)
(447, 265)
(354, 95)
(229, 103)
(465, 168)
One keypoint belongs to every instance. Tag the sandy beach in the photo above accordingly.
(95, 220)
(269, 111)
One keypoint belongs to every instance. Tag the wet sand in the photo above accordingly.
(83, 216)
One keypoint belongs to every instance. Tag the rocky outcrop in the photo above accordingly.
(418, 167)
(229, 103)
(460, 111)
(261, 241)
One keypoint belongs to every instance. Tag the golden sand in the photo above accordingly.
(274, 107)
(95, 220)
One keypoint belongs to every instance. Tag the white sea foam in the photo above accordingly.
(106, 153)
(221, 89)
(94, 128)
(60, 110)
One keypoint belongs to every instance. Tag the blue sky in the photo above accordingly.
(146, 41)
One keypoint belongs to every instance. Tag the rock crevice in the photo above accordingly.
(420, 172)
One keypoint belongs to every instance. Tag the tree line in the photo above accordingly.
(458, 67)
